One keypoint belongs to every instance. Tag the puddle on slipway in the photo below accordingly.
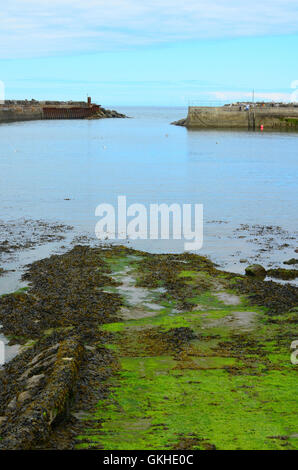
(141, 302)
(228, 299)
(238, 321)
(241, 321)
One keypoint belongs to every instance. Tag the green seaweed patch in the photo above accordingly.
(113, 327)
(292, 121)
(282, 273)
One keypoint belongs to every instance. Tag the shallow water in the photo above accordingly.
(241, 178)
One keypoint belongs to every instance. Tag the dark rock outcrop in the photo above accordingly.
(255, 270)
(106, 113)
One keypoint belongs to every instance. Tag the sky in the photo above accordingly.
(149, 52)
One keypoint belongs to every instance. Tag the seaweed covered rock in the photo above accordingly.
(284, 274)
(291, 261)
(180, 335)
(255, 270)
(65, 292)
(181, 122)
(107, 113)
(41, 398)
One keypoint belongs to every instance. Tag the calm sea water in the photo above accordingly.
(240, 177)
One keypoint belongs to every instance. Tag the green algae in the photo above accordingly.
(226, 387)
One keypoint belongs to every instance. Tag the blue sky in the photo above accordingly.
(157, 52)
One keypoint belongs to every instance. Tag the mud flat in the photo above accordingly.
(123, 349)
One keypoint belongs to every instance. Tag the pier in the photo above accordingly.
(248, 115)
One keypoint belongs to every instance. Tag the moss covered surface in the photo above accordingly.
(197, 372)
(176, 354)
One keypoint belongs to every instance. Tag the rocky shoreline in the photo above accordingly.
(100, 325)
(106, 114)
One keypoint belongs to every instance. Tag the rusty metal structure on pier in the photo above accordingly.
(69, 110)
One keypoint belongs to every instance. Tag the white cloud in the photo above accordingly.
(43, 27)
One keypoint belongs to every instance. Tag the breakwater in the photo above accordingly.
(242, 116)
(24, 110)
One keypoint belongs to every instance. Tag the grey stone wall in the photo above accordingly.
(230, 117)
(14, 113)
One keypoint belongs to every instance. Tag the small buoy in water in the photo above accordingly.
(262, 127)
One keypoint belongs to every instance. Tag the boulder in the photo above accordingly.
(181, 122)
(255, 270)
(34, 381)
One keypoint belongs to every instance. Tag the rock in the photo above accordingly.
(34, 381)
(281, 273)
(181, 122)
(255, 270)
(291, 261)
(44, 353)
(243, 261)
(24, 396)
(12, 404)
(40, 366)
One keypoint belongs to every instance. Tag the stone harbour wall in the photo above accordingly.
(13, 111)
(237, 117)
